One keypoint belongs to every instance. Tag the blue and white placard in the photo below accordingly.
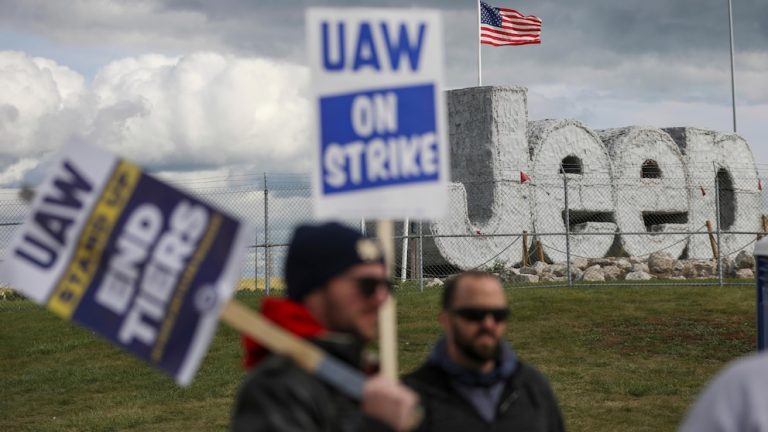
(144, 265)
(381, 148)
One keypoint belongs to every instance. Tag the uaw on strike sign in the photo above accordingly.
(144, 265)
(381, 147)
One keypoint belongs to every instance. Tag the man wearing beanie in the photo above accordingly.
(336, 281)
(472, 380)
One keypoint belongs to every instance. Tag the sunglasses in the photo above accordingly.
(368, 285)
(479, 314)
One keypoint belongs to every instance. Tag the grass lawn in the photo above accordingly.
(619, 359)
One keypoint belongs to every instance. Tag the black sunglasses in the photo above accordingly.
(368, 285)
(479, 314)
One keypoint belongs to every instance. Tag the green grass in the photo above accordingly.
(619, 359)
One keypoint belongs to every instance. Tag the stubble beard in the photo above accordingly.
(473, 351)
(340, 321)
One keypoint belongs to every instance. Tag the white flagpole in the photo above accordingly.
(733, 85)
(479, 49)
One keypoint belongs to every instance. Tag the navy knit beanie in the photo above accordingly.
(317, 253)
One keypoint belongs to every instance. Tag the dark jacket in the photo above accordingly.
(527, 403)
(279, 396)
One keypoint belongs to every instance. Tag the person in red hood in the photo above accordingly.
(335, 283)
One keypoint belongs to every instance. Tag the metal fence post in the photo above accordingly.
(404, 258)
(567, 231)
(717, 222)
(421, 255)
(267, 255)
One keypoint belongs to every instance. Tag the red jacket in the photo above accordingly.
(289, 315)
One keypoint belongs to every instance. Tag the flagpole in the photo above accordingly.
(733, 85)
(479, 49)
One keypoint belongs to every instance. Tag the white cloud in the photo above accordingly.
(15, 172)
(203, 110)
(31, 90)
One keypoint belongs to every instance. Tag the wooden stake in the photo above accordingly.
(388, 311)
(712, 240)
(306, 355)
(539, 251)
(245, 320)
(525, 248)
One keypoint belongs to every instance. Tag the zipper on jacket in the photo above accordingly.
(508, 401)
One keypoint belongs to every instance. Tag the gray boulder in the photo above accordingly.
(560, 269)
(434, 283)
(638, 276)
(679, 269)
(624, 264)
(576, 273)
(509, 273)
(661, 262)
(705, 268)
(729, 266)
(580, 263)
(612, 272)
(593, 274)
(745, 274)
(744, 260)
(602, 262)
(524, 278)
(540, 267)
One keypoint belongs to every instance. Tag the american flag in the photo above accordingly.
(502, 26)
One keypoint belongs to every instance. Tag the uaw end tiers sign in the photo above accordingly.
(142, 264)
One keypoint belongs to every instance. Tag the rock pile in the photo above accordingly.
(659, 265)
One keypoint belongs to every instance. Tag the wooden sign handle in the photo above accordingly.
(307, 356)
(388, 311)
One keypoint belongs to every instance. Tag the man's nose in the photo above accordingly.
(488, 320)
(381, 294)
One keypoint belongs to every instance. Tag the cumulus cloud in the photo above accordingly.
(31, 90)
(203, 109)
(199, 111)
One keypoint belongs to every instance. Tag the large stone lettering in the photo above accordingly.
(651, 190)
(488, 150)
(652, 184)
(568, 148)
(724, 159)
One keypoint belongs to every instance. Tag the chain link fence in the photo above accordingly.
(560, 230)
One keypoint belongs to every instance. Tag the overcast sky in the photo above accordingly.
(215, 88)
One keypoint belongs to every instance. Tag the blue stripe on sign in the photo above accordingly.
(378, 138)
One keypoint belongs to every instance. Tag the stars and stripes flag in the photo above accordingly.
(503, 26)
